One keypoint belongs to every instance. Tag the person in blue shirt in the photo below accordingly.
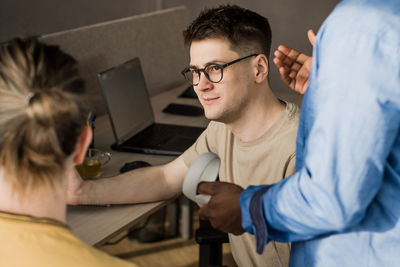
(342, 206)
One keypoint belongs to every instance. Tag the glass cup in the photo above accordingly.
(94, 161)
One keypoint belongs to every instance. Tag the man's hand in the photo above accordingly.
(223, 210)
(74, 187)
(294, 67)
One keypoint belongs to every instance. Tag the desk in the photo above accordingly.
(97, 224)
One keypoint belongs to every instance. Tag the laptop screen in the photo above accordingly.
(127, 99)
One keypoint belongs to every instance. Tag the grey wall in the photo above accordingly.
(37, 17)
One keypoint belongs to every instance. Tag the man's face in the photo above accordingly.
(223, 101)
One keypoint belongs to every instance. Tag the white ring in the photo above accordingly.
(204, 169)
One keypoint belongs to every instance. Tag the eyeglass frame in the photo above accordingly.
(221, 66)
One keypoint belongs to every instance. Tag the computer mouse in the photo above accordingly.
(134, 165)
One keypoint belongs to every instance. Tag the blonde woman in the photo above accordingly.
(42, 137)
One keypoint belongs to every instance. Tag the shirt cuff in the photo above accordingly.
(253, 219)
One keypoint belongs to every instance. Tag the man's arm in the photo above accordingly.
(137, 186)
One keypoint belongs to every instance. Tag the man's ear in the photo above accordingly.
(261, 68)
(82, 145)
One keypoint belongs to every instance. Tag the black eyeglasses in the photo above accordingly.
(213, 71)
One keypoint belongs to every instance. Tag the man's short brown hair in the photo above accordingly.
(247, 31)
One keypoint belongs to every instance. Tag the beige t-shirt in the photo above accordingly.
(265, 160)
(29, 241)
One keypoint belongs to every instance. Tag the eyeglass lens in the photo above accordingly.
(212, 72)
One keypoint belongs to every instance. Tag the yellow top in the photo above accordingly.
(30, 241)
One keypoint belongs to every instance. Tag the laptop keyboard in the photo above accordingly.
(158, 135)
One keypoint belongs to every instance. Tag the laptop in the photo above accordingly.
(131, 116)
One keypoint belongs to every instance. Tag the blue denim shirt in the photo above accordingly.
(342, 206)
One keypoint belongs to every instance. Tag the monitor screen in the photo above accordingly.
(127, 99)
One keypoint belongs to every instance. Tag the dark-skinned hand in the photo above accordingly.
(223, 211)
(294, 66)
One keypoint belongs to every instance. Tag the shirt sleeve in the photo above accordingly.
(351, 119)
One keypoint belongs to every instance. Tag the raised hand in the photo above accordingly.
(294, 67)
(223, 211)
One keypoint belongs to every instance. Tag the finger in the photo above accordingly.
(308, 64)
(238, 231)
(301, 86)
(279, 55)
(288, 52)
(284, 72)
(284, 49)
(292, 74)
(203, 213)
(289, 62)
(287, 57)
(296, 67)
(278, 63)
(311, 36)
(287, 74)
(284, 76)
(295, 57)
(216, 225)
(206, 188)
(303, 90)
(302, 58)
(290, 56)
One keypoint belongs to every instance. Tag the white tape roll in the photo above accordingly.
(204, 169)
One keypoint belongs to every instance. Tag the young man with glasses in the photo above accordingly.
(252, 131)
